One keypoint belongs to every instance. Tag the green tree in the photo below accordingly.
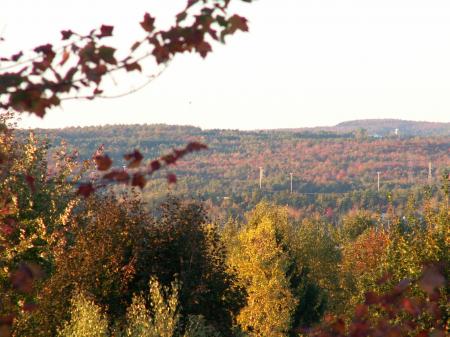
(187, 247)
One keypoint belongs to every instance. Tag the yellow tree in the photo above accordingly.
(279, 295)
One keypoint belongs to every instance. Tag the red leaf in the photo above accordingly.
(65, 57)
(135, 159)
(30, 181)
(107, 54)
(237, 22)
(181, 16)
(432, 278)
(106, 30)
(85, 190)
(135, 46)
(203, 48)
(191, 3)
(155, 165)
(371, 298)
(361, 311)
(338, 326)
(29, 307)
(133, 66)
(8, 227)
(22, 279)
(66, 34)
(98, 91)
(196, 146)
(138, 180)
(148, 24)
(161, 54)
(103, 162)
(17, 56)
(410, 306)
(44, 49)
(119, 176)
(171, 178)
(7, 320)
(169, 159)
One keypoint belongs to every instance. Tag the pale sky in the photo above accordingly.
(303, 63)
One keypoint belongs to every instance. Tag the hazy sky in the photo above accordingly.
(304, 63)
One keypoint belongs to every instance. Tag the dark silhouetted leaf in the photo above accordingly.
(66, 34)
(106, 30)
(85, 190)
(133, 66)
(135, 159)
(148, 24)
(171, 178)
(155, 165)
(138, 180)
(107, 54)
(103, 162)
(432, 279)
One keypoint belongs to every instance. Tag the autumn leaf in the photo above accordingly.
(30, 182)
(23, 278)
(431, 279)
(103, 162)
(155, 165)
(66, 34)
(117, 175)
(148, 24)
(106, 30)
(161, 54)
(65, 57)
(44, 49)
(138, 180)
(107, 54)
(135, 45)
(196, 146)
(8, 226)
(16, 57)
(135, 159)
(85, 190)
(169, 159)
(237, 22)
(203, 48)
(133, 66)
(171, 178)
(28, 307)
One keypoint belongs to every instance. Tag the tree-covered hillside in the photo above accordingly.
(338, 169)
(386, 127)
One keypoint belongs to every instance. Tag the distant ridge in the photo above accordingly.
(373, 127)
(386, 127)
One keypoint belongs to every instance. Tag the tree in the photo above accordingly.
(186, 246)
(280, 296)
(36, 199)
(86, 319)
(317, 250)
(97, 255)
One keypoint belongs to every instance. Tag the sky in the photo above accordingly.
(304, 63)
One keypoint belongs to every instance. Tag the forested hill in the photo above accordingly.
(386, 127)
(324, 164)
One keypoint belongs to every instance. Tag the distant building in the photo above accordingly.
(396, 131)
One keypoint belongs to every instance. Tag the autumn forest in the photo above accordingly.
(162, 230)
